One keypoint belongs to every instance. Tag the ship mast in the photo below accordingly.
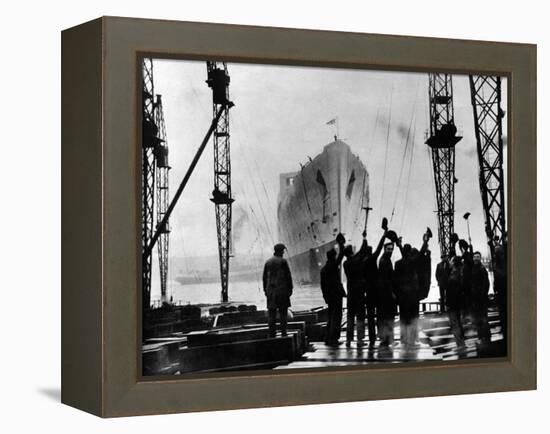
(334, 121)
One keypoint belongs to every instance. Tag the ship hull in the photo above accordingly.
(326, 197)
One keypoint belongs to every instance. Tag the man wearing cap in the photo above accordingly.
(371, 280)
(408, 280)
(500, 284)
(467, 264)
(277, 282)
(333, 291)
(480, 299)
(386, 296)
(442, 276)
(454, 298)
(354, 268)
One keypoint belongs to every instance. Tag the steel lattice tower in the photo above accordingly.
(149, 144)
(486, 102)
(162, 199)
(442, 140)
(218, 80)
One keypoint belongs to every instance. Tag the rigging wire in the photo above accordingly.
(408, 178)
(267, 197)
(257, 195)
(256, 222)
(267, 225)
(371, 144)
(401, 169)
(407, 142)
(386, 152)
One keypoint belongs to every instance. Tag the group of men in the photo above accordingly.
(464, 285)
(375, 288)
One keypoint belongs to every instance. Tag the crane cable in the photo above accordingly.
(371, 145)
(267, 226)
(386, 153)
(401, 171)
(407, 142)
(257, 224)
(257, 195)
(408, 178)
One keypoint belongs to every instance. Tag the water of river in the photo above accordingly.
(303, 297)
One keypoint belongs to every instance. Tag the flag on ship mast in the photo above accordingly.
(334, 121)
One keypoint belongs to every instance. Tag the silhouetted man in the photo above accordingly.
(386, 296)
(480, 299)
(454, 298)
(355, 274)
(333, 292)
(425, 273)
(277, 282)
(407, 272)
(499, 286)
(371, 280)
(467, 264)
(442, 276)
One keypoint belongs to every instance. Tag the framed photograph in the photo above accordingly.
(262, 217)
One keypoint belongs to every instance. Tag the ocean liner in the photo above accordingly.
(325, 197)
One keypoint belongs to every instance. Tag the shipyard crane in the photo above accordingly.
(162, 196)
(150, 141)
(218, 80)
(486, 104)
(442, 140)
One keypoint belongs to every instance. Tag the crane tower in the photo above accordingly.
(486, 102)
(442, 140)
(149, 144)
(163, 198)
(218, 80)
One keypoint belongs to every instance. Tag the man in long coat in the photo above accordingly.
(277, 282)
(409, 274)
(500, 285)
(357, 287)
(371, 280)
(386, 297)
(333, 292)
(480, 299)
(442, 276)
(467, 264)
(454, 298)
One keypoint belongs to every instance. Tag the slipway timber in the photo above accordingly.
(230, 338)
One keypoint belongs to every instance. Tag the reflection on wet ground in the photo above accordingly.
(436, 343)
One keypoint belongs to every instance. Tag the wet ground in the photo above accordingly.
(436, 343)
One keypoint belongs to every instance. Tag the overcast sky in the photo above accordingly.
(279, 119)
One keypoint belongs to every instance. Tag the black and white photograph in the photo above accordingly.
(297, 217)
